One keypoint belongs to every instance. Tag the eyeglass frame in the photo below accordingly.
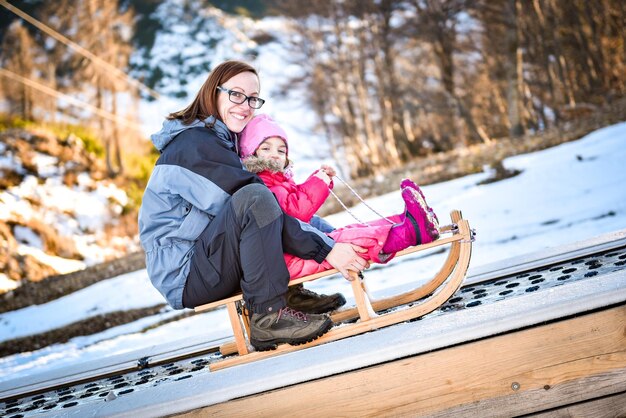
(246, 98)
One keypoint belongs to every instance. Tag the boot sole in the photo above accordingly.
(273, 343)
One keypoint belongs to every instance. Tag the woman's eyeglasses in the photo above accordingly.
(238, 98)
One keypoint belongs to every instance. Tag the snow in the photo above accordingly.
(564, 194)
(106, 296)
(78, 213)
(60, 264)
(6, 283)
(27, 236)
(46, 164)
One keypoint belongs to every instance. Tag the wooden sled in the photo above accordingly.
(370, 313)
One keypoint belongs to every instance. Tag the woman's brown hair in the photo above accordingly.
(205, 103)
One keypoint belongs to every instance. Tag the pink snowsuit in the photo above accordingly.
(303, 200)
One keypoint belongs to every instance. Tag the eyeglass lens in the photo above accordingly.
(238, 98)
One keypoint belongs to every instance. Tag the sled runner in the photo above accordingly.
(371, 314)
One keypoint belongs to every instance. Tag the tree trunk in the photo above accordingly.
(513, 69)
(116, 138)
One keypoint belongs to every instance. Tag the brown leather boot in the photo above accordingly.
(267, 330)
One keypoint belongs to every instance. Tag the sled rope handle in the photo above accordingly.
(362, 201)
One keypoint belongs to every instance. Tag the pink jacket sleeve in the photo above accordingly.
(301, 200)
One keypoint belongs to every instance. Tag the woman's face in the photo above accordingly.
(273, 148)
(237, 116)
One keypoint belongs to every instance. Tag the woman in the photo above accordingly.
(210, 228)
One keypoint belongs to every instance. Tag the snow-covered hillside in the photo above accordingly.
(57, 211)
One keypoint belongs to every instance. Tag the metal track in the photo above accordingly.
(482, 289)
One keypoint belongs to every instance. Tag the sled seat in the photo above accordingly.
(439, 289)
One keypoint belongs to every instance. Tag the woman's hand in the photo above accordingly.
(346, 257)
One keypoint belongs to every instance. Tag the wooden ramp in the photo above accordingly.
(371, 315)
(574, 367)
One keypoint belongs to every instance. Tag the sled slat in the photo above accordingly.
(360, 297)
(240, 339)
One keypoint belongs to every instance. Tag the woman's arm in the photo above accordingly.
(202, 169)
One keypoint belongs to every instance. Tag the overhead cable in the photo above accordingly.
(47, 90)
(82, 51)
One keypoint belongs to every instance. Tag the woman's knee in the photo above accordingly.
(259, 200)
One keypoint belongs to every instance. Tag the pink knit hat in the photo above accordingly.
(256, 131)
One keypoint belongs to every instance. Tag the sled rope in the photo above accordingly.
(362, 201)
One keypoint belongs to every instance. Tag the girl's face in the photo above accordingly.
(273, 148)
(237, 116)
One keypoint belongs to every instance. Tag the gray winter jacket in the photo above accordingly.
(194, 177)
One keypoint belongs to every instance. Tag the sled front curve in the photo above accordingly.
(439, 289)
(427, 288)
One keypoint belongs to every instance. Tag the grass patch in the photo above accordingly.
(62, 131)
(138, 170)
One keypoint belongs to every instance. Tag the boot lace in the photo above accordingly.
(287, 311)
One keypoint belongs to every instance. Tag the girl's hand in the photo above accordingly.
(321, 174)
(328, 170)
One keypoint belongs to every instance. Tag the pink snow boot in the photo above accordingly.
(411, 184)
(415, 229)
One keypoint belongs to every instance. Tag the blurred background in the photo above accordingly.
(428, 89)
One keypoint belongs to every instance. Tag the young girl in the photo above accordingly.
(264, 150)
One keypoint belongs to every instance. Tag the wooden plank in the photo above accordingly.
(563, 398)
(605, 407)
(218, 303)
(360, 298)
(527, 371)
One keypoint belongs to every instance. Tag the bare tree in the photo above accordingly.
(403, 78)
(502, 52)
(18, 51)
(437, 22)
(99, 27)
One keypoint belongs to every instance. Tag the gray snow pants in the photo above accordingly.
(241, 249)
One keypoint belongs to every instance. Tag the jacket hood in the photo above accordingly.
(172, 127)
(256, 165)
